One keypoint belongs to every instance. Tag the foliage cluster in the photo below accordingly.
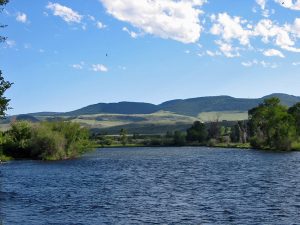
(45, 141)
(274, 126)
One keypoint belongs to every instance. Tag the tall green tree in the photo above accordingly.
(4, 85)
(271, 126)
(197, 132)
(295, 112)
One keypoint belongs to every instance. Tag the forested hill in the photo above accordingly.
(190, 107)
(115, 108)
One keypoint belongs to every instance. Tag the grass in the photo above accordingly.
(229, 116)
(159, 122)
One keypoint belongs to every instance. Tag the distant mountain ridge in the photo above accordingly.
(116, 108)
(188, 107)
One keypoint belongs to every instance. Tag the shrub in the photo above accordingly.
(47, 144)
(17, 140)
(47, 140)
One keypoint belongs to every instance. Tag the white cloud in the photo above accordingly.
(247, 64)
(131, 33)
(228, 50)
(230, 28)
(210, 53)
(265, 12)
(262, 3)
(10, 43)
(100, 25)
(296, 27)
(92, 18)
(266, 29)
(21, 17)
(296, 63)
(99, 68)
(283, 36)
(259, 63)
(268, 65)
(273, 52)
(290, 4)
(77, 66)
(67, 14)
(168, 19)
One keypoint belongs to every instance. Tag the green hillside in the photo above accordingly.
(149, 118)
(189, 107)
(119, 108)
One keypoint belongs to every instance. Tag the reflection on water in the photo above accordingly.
(154, 186)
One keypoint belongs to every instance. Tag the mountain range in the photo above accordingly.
(146, 118)
(188, 107)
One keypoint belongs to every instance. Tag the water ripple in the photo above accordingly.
(154, 186)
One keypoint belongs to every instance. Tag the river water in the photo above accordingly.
(154, 186)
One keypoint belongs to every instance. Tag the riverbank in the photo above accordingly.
(219, 145)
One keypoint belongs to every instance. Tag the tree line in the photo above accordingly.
(270, 126)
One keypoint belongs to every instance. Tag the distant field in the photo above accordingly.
(229, 116)
(155, 123)
(143, 123)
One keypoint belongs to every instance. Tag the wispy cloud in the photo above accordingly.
(273, 52)
(78, 66)
(131, 33)
(296, 63)
(260, 63)
(100, 25)
(21, 17)
(64, 12)
(99, 68)
(10, 43)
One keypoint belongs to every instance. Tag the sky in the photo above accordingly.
(64, 55)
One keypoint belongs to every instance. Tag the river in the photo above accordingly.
(154, 186)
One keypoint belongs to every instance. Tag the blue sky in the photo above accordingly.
(63, 55)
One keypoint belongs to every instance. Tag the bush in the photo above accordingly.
(47, 140)
(212, 142)
(47, 144)
(17, 140)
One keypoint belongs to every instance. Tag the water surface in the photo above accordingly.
(154, 186)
